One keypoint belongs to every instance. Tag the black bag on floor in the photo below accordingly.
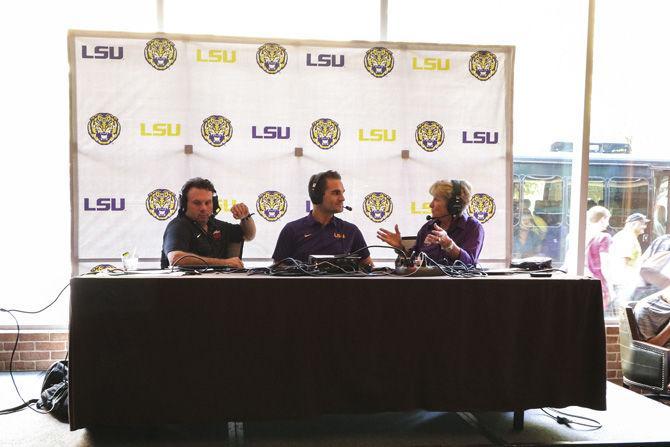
(54, 398)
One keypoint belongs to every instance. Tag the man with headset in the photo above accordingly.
(320, 232)
(450, 235)
(195, 237)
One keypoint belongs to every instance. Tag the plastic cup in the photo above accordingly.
(130, 263)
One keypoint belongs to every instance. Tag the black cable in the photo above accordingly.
(190, 256)
(565, 420)
(26, 404)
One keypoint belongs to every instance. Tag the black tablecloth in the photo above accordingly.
(147, 350)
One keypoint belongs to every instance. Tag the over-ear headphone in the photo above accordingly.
(201, 184)
(455, 203)
(316, 187)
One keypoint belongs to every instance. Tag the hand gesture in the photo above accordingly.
(239, 211)
(393, 239)
(439, 236)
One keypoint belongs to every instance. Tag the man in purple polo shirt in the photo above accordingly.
(450, 235)
(320, 232)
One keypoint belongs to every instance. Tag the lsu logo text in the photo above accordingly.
(429, 135)
(482, 207)
(220, 56)
(227, 204)
(161, 203)
(423, 209)
(216, 130)
(483, 65)
(101, 52)
(377, 206)
(480, 138)
(325, 133)
(378, 135)
(160, 130)
(378, 61)
(325, 60)
(272, 58)
(105, 204)
(104, 128)
(271, 205)
(430, 63)
(160, 53)
(271, 132)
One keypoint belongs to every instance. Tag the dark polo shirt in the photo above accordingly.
(306, 236)
(183, 234)
(466, 232)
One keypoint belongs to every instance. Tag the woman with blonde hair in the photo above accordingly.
(450, 235)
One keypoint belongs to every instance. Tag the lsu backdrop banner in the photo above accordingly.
(150, 112)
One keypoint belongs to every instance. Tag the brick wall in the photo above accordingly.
(614, 373)
(36, 350)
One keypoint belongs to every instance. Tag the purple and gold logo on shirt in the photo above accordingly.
(482, 207)
(161, 204)
(378, 206)
(271, 205)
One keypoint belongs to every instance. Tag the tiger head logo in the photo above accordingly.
(161, 53)
(216, 130)
(104, 128)
(325, 133)
(271, 205)
(429, 135)
(377, 206)
(378, 61)
(482, 207)
(483, 65)
(272, 58)
(161, 203)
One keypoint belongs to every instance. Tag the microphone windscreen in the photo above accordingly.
(429, 217)
(348, 208)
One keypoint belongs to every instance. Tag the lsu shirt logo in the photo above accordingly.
(272, 58)
(483, 65)
(160, 53)
(271, 205)
(216, 130)
(378, 61)
(104, 128)
(429, 135)
(161, 203)
(482, 207)
(377, 206)
(325, 133)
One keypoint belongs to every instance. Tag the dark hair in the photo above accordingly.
(197, 182)
(317, 185)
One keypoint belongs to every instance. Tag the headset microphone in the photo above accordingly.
(348, 208)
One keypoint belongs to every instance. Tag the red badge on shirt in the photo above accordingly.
(216, 235)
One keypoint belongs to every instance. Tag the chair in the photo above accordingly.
(644, 365)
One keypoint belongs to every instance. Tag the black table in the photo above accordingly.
(154, 350)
